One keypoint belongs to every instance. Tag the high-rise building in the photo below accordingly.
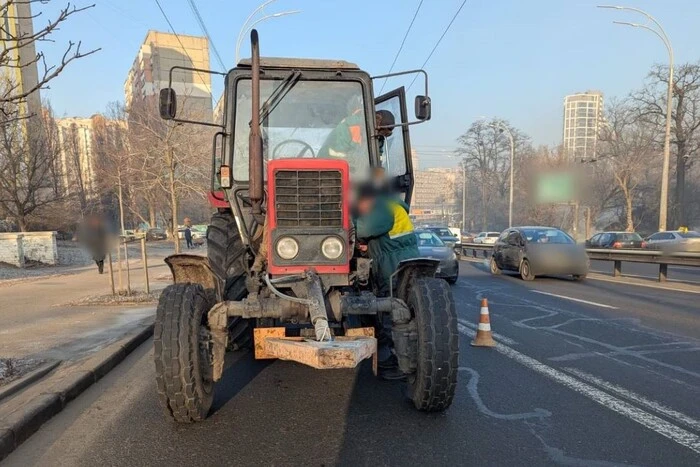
(83, 145)
(435, 194)
(16, 23)
(583, 115)
(150, 72)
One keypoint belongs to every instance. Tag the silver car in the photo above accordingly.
(430, 246)
(674, 240)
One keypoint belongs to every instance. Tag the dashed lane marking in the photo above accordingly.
(602, 305)
(664, 428)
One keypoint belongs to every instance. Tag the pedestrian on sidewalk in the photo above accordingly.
(93, 235)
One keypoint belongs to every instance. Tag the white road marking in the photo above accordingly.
(641, 400)
(650, 421)
(602, 305)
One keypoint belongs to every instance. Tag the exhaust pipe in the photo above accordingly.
(255, 154)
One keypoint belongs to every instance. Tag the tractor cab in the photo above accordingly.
(283, 271)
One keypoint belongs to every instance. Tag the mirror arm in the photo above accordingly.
(409, 72)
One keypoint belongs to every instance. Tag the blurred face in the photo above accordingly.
(365, 205)
(385, 132)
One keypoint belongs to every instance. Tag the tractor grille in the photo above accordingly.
(309, 198)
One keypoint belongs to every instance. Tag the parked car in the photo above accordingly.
(430, 246)
(156, 234)
(445, 234)
(534, 251)
(674, 240)
(615, 240)
(486, 237)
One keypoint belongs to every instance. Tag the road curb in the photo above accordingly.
(28, 379)
(24, 421)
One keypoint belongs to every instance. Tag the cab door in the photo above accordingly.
(396, 154)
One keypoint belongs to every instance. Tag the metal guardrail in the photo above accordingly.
(663, 259)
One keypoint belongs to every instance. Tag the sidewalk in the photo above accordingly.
(36, 321)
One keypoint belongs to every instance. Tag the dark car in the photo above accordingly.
(444, 234)
(617, 240)
(430, 246)
(534, 251)
(156, 234)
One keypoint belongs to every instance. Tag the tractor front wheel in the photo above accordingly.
(432, 386)
(182, 353)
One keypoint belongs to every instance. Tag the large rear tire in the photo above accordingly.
(432, 386)
(227, 256)
(182, 353)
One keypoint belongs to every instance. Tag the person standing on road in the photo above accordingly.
(94, 236)
(188, 237)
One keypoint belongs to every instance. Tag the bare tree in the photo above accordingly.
(628, 145)
(173, 157)
(29, 177)
(19, 50)
(486, 153)
(685, 122)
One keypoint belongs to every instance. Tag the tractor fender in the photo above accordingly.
(408, 270)
(193, 269)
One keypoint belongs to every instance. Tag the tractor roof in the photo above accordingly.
(308, 63)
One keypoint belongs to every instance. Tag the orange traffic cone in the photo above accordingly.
(483, 333)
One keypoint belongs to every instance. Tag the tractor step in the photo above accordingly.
(342, 352)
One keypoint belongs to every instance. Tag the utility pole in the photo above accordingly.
(464, 196)
(661, 34)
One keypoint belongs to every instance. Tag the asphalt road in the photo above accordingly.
(594, 373)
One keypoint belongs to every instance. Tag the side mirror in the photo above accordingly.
(167, 103)
(423, 110)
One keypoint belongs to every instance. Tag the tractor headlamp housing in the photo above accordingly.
(287, 248)
(332, 247)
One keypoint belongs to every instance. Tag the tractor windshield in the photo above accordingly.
(313, 119)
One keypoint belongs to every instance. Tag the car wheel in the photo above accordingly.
(526, 271)
(493, 266)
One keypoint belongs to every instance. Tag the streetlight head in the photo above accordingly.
(611, 7)
(625, 23)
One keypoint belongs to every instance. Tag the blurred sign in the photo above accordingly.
(556, 187)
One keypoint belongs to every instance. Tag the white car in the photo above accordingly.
(487, 237)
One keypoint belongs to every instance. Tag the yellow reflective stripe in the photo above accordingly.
(402, 223)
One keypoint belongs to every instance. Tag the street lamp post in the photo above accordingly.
(503, 128)
(245, 30)
(661, 34)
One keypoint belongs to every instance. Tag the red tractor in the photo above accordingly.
(283, 275)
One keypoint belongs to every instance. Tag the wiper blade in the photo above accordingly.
(278, 94)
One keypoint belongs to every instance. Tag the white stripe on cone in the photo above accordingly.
(484, 327)
(484, 310)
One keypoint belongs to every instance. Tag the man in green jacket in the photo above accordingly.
(384, 226)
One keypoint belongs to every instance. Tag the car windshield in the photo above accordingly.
(629, 237)
(547, 236)
(323, 119)
(442, 232)
(428, 239)
(689, 234)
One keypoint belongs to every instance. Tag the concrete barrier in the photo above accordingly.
(17, 248)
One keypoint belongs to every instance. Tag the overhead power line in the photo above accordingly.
(398, 52)
(205, 31)
(167, 20)
(439, 40)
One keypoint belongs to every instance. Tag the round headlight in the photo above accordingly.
(332, 248)
(287, 248)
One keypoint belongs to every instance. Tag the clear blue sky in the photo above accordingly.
(513, 59)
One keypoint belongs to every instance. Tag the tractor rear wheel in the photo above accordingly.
(432, 386)
(227, 257)
(182, 353)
